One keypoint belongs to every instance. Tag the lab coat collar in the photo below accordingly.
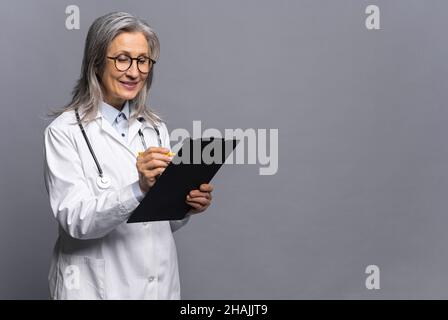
(138, 124)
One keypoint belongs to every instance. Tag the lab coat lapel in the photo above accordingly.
(134, 126)
(107, 128)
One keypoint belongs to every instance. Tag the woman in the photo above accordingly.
(95, 179)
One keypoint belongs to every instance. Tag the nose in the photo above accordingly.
(133, 70)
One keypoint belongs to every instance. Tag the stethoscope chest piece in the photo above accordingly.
(103, 182)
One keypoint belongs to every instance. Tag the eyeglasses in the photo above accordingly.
(124, 62)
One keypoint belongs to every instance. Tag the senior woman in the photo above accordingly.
(95, 179)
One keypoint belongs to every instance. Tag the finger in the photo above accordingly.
(197, 193)
(196, 206)
(205, 187)
(154, 164)
(201, 200)
(156, 150)
(152, 174)
(154, 156)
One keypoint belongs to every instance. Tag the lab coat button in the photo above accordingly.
(151, 279)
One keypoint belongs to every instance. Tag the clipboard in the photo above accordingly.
(197, 162)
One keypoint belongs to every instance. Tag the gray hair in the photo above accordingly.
(87, 93)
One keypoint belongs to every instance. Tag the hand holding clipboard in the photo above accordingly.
(166, 198)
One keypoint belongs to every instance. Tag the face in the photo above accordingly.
(119, 86)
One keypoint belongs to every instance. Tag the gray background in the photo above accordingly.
(363, 158)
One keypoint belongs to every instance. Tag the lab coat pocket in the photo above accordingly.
(80, 278)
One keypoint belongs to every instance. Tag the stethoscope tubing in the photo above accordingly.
(100, 170)
(92, 152)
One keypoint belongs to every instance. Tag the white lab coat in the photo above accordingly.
(97, 254)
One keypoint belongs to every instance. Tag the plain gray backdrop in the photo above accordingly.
(363, 154)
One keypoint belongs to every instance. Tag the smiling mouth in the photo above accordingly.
(129, 85)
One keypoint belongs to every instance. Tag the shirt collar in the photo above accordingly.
(110, 113)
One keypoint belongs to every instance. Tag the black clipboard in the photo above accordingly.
(196, 163)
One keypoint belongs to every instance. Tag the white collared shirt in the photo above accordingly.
(119, 121)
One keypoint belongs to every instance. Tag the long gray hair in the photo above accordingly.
(87, 93)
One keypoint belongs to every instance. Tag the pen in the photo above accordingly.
(169, 154)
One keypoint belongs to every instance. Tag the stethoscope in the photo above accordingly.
(104, 182)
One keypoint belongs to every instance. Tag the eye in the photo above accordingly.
(122, 58)
(143, 60)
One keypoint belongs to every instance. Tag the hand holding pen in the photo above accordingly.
(150, 164)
